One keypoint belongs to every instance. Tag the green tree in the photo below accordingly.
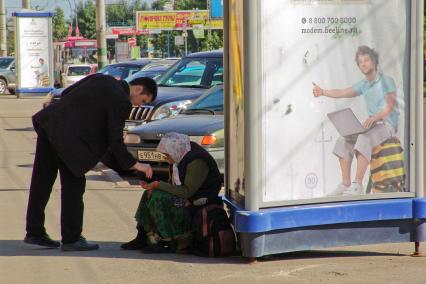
(60, 29)
(213, 42)
(123, 13)
(86, 13)
(158, 4)
(190, 4)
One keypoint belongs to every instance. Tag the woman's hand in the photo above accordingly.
(149, 186)
(370, 122)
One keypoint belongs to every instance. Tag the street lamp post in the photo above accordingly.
(3, 31)
(26, 4)
(100, 33)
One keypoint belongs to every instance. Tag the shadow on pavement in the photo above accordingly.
(107, 250)
(31, 129)
(113, 250)
(326, 254)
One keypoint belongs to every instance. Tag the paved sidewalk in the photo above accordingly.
(110, 205)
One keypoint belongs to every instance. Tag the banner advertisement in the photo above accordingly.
(198, 31)
(174, 20)
(336, 98)
(34, 64)
(235, 152)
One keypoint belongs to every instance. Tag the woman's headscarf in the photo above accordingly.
(176, 145)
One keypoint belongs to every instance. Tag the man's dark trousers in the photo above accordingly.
(46, 166)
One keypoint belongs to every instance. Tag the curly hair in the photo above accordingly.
(365, 50)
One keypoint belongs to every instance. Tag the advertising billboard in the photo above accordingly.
(336, 98)
(34, 50)
(174, 20)
(216, 9)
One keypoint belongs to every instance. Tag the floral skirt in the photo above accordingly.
(164, 214)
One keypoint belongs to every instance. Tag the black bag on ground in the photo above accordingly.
(213, 233)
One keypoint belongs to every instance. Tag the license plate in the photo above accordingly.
(152, 156)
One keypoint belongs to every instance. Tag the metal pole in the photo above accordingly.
(26, 4)
(185, 35)
(100, 33)
(186, 44)
(168, 44)
(3, 31)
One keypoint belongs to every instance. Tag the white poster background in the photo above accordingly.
(34, 39)
(298, 137)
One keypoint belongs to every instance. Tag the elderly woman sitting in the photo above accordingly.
(164, 213)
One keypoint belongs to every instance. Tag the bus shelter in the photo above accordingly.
(299, 88)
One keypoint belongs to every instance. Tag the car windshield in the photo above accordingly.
(150, 74)
(120, 72)
(194, 73)
(5, 62)
(210, 103)
(78, 70)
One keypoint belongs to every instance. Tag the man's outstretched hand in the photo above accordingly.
(316, 90)
(143, 168)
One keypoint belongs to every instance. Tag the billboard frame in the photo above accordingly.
(321, 222)
(36, 90)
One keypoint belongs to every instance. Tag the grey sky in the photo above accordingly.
(50, 5)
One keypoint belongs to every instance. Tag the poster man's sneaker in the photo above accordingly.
(354, 189)
(339, 190)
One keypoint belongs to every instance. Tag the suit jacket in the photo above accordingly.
(87, 121)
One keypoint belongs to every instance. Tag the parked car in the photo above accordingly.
(183, 83)
(7, 75)
(202, 121)
(123, 70)
(75, 72)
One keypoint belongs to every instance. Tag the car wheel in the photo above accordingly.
(3, 87)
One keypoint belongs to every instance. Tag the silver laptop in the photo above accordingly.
(346, 123)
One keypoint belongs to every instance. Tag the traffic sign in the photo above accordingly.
(131, 41)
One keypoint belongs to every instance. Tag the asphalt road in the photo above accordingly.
(110, 205)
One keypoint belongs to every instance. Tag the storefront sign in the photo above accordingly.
(174, 20)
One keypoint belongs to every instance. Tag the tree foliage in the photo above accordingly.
(60, 29)
(86, 13)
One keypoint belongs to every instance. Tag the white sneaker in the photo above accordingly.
(354, 189)
(339, 190)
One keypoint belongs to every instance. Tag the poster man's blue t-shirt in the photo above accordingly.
(374, 93)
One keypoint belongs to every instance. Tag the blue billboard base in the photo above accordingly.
(32, 92)
(307, 227)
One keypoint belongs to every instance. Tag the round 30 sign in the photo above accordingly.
(311, 180)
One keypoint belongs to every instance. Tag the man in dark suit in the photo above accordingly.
(73, 135)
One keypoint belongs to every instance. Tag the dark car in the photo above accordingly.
(123, 70)
(183, 83)
(202, 121)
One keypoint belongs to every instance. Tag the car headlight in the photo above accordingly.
(170, 109)
(132, 139)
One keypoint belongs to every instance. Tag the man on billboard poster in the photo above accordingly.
(379, 92)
